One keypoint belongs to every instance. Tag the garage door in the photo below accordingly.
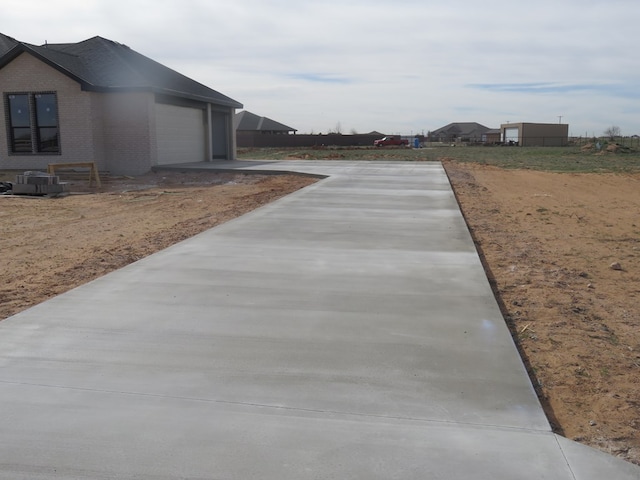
(511, 135)
(180, 134)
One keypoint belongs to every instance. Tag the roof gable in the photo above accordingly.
(6, 44)
(250, 121)
(99, 64)
(461, 129)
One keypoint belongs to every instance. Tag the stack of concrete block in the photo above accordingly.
(38, 183)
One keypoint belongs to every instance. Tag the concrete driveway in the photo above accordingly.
(345, 331)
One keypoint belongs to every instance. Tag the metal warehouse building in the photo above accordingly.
(535, 134)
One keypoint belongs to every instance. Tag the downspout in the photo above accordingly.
(209, 136)
(232, 150)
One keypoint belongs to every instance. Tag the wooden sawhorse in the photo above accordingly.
(93, 170)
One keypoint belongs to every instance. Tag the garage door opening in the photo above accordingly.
(511, 136)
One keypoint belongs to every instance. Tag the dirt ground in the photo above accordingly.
(50, 245)
(548, 242)
(562, 252)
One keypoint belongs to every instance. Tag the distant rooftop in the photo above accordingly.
(247, 121)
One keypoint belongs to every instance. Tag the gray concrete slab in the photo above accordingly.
(347, 331)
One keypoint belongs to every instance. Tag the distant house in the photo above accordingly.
(492, 136)
(535, 134)
(99, 100)
(250, 122)
(459, 132)
(255, 131)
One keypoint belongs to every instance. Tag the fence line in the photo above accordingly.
(261, 140)
(258, 140)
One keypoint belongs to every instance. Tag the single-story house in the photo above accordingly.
(246, 121)
(100, 101)
(459, 132)
(535, 134)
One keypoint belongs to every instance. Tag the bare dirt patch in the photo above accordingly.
(550, 243)
(50, 245)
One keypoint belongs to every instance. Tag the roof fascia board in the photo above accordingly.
(21, 48)
(160, 91)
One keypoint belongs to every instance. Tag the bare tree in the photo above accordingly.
(612, 132)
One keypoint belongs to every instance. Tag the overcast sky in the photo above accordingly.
(403, 66)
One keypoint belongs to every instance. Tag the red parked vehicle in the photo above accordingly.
(391, 140)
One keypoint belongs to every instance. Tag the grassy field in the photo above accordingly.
(554, 159)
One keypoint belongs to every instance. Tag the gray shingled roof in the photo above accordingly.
(250, 121)
(6, 43)
(103, 65)
(461, 129)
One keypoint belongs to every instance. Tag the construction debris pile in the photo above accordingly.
(38, 183)
(606, 147)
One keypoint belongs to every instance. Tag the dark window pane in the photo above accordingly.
(33, 123)
(19, 111)
(48, 139)
(46, 110)
(21, 140)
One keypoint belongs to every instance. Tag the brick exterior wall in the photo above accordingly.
(26, 74)
(114, 130)
(128, 125)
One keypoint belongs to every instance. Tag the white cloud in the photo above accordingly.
(397, 67)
